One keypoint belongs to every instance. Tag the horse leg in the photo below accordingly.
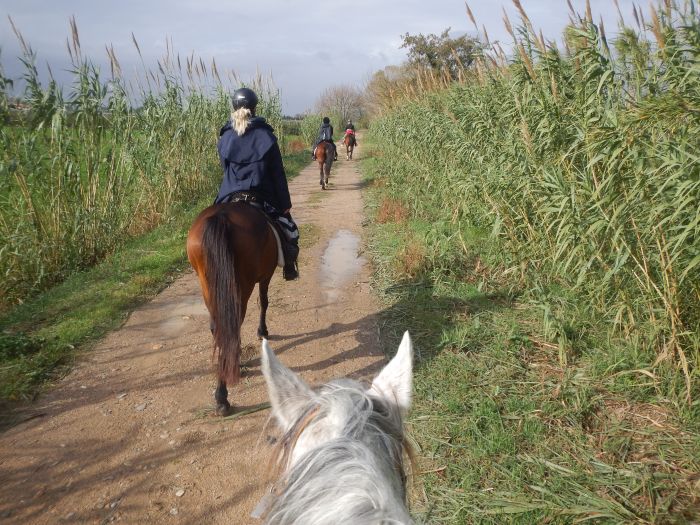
(223, 407)
(262, 288)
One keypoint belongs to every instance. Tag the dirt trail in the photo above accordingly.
(130, 435)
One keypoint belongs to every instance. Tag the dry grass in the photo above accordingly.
(411, 259)
(296, 146)
(392, 210)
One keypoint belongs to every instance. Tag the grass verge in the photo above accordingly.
(40, 338)
(514, 420)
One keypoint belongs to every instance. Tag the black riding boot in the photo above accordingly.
(290, 272)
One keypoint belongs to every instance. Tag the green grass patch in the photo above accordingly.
(295, 162)
(523, 414)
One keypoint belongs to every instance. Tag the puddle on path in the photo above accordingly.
(340, 263)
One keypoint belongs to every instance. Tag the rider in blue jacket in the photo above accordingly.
(325, 134)
(253, 171)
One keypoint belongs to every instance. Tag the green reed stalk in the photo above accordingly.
(583, 162)
(81, 173)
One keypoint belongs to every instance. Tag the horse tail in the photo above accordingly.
(329, 158)
(225, 307)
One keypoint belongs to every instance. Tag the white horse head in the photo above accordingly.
(343, 445)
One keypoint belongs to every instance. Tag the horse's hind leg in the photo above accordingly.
(263, 287)
(223, 407)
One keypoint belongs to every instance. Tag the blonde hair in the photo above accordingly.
(241, 120)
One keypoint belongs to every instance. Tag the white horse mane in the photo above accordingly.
(342, 456)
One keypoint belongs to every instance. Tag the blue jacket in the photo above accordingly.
(325, 132)
(253, 162)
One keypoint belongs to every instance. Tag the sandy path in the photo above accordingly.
(130, 436)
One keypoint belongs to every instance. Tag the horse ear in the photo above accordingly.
(288, 392)
(395, 382)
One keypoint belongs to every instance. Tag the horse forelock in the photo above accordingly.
(356, 477)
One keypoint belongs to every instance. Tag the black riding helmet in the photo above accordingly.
(244, 98)
(326, 120)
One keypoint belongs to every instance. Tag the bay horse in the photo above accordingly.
(343, 447)
(349, 141)
(324, 157)
(231, 248)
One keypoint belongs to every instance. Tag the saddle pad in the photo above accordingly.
(280, 253)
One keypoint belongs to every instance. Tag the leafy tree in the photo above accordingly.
(441, 52)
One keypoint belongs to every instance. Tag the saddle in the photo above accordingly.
(254, 200)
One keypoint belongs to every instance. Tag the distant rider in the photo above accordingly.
(253, 172)
(325, 134)
(350, 130)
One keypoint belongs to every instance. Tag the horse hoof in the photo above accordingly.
(223, 409)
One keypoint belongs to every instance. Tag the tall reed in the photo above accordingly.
(583, 162)
(89, 165)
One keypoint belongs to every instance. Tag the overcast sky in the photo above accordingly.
(307, 46)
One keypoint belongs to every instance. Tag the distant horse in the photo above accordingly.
(324, 157)
(350, 142)
(343, 446)
(231, 247)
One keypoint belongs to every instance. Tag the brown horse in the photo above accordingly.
(324, 157)
(349, 142)
(231, 247)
